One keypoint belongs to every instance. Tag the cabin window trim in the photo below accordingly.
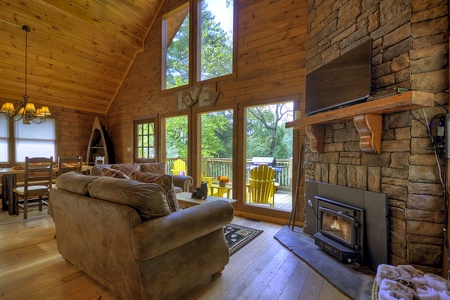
(145, 143)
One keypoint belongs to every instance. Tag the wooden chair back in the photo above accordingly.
(38, 179)
(179, 166)
(262, 185)
(69, 164)
(38, 171)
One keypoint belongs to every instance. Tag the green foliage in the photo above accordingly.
(216, 48)
(266, 132)
(217, 134)
(177, 137)
(178, 57)
(216, 52)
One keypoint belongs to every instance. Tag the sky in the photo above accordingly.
(218, 7)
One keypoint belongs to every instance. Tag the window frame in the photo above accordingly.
(136, 147)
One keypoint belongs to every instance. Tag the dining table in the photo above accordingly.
(9, 182)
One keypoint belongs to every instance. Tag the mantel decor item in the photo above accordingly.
(25, 110)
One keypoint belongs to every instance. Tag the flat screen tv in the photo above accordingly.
(343, 81)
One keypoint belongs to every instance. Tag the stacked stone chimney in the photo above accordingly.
(410, 50)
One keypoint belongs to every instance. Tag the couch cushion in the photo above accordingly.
(155, 168)
(165, 181)
(114, 173)
(74, 182)
(127, 168)
(148, 199)
(97, 169)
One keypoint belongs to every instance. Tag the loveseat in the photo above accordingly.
(182, 183)
(122, 233)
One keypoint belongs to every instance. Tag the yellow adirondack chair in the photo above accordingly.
(262, 185)
(179, 166)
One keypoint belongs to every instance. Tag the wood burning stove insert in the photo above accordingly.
(340, 230)
(362, 217)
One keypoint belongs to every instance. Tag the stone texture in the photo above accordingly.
(424, 254)
(427, 216)
(398, 237)
(426, 202)
(396, 146)
(399, 160)
(394, 173)
(410, 49)
(394, 191)
(425, 228)
(423, 173)
(374, 179)
(432, 189)
(375, 160)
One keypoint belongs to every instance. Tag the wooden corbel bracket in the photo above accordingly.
(316, 134)
(370, 130)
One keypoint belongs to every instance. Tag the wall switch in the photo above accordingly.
(128, 149)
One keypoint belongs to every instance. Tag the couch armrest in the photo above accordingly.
(157, 236)
(182, 181)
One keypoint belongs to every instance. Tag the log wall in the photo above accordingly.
(271, 60)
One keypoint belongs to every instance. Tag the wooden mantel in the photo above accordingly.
(367, 116)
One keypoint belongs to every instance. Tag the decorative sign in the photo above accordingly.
(205, 95)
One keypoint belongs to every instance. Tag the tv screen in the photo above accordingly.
(343, 81)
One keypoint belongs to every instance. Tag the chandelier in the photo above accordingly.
(25, 111)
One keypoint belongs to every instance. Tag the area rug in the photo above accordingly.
(238, 236)
(349, 281)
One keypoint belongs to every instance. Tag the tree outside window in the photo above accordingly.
(215, 41)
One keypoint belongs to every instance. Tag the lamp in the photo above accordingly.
(25, 111)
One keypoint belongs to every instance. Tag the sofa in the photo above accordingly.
(182, 183)
(122, 233)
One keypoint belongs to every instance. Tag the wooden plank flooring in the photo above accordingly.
(31, 268)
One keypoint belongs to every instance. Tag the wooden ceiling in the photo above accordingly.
(78, 50)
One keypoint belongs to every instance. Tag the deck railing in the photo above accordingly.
(214, 167)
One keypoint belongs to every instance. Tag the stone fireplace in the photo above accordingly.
(410, 50)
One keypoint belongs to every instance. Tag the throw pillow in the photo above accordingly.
(114, 173)
(154, 168)
(148, 199)
(165, 181)
(127, 168)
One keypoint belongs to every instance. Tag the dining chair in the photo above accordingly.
(69, 164)
(38, 178)
(261, 185)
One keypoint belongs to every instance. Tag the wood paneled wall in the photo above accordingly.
(74, 129)
(271, 59)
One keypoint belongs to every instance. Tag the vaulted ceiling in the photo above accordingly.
(78, 50)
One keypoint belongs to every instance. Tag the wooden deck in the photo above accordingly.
(32, 268)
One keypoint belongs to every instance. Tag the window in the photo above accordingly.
(4, 139)
(214, 38)
(176, 140)
(175, 45)
(217, 150)
(35, 140)
(144, 140)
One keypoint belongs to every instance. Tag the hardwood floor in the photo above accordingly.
(31, 268)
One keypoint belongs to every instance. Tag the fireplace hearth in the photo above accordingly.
(350, 224)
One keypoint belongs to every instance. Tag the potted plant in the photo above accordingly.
(223, 180)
